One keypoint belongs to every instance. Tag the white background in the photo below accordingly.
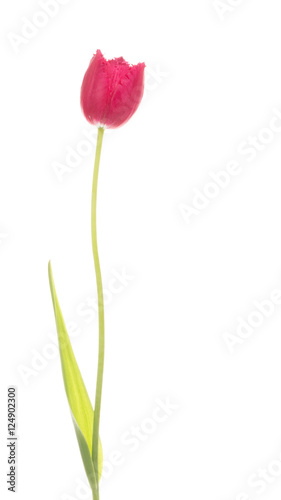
(213, 83)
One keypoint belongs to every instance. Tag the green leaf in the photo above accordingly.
(80, 405)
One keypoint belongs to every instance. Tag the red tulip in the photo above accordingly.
(111, 91)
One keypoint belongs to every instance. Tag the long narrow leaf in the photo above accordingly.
(78, 399)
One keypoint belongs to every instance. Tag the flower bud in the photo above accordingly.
(111, 91)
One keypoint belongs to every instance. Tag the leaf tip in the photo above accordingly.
(50, 272)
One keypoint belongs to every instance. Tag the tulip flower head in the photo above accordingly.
(111, 91)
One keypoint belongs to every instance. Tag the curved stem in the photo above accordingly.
(95, 444)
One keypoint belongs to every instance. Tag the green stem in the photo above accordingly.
(95, 445)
